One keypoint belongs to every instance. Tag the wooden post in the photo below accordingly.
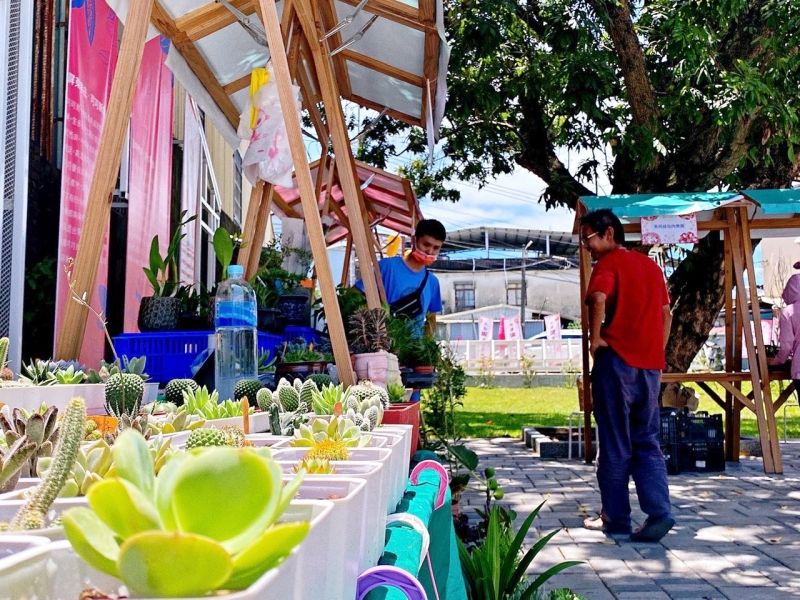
(104, 176)
(341, 147)
(264, 207)
(761, 355)
(584, 270)
(250, 225)
(280, 67)
(743, 315)
(732, 411)
(348, 249)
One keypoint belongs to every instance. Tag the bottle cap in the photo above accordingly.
(235, 272)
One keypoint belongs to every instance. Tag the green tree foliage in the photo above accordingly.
(661, 95)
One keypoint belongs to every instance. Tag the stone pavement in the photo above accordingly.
(737, 533)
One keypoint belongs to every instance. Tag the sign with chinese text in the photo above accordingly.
(669, 229)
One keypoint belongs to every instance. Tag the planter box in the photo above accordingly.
(14, 543)
(405, 413)
(398, 462)
(348, 530)
(381, 368)
(31, 397)
(374, 442)
(259, 422)
(376, 499)
(381, 455)
(9, 508)
(54, 572)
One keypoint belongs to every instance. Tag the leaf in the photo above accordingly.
(91, 539)
(266, 552)
(223, 248)
(212, 475)
(165, 484)
(156, 262)
(121, 506)
(464, 455)
(133, 461)
(513, 552)
(173, 565)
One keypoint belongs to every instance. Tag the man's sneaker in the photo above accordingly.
(653, 530)
(600, 524)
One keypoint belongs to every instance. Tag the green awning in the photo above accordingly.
(633, 206)
(776, 201)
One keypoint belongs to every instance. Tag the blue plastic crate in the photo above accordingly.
(170, 354)
(309, 334)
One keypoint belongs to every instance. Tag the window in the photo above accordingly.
(465, 296)
(514, 293)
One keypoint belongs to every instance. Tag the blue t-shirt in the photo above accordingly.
(399, 280)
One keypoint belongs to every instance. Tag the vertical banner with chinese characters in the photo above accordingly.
(92, 56)
(149, 173)
(552, 326)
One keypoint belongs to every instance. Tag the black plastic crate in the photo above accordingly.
(701, 456)
(672, 458)
(669, 426)
(700, 427)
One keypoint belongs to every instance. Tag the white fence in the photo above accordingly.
(501, 356)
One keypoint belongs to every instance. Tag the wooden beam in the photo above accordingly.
(395, 114)
(260, 229)
(329, 19)
(285, 207)
(737, 393)
(236, 85)
(732, 414)
(743, 314)
(430, 61)
(585, 268)
(248, 231)
(718, 224)
(761, 354)
(348, 249)
(210, 18)
(327, 287)
(104, 176)
(384, 68)
(196, 62)
(394, 11)
(341, 145)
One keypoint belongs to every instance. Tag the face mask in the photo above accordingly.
(421, 257)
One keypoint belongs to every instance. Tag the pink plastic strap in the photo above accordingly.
(388, 576)
(443, 479)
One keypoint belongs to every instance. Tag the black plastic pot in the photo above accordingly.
(159, 313)
(269, 320)
(294, 309)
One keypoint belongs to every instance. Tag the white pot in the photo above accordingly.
(150, 393)
(373, 473)
(374, 442)
(55, 572)
(381, 455)
(14, 543)
(32, 397)
(9, 508)
(398, 462)
(348, 533)
(259, 422)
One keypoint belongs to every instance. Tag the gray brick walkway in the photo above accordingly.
(737, 533)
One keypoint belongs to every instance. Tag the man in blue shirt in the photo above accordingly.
(406, 278)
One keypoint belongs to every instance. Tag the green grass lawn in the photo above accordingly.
(502, 412)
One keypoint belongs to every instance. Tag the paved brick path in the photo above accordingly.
(737, 533)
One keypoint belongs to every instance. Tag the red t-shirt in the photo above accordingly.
(635, 296)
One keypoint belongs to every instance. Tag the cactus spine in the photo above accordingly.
(32, 514)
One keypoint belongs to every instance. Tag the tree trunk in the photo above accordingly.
(697, 291)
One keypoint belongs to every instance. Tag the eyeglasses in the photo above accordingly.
(585, 240)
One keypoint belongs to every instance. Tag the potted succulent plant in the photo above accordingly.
(371, 344)
(298, 359)
(160, 311)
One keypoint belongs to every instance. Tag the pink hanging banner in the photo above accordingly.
(149, 173)
(92, 57)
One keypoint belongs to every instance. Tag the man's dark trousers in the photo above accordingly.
(627, 414)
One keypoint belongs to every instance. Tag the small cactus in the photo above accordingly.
(206, 437)
(173, 391)
(31, 515)
(124, 393)
(5, 372)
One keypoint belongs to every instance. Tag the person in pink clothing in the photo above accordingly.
(789, 325)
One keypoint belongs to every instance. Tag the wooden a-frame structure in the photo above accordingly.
(399, 71)
(740, 217)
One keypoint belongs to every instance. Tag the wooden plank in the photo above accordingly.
(732, 423)
(285, 207)
(430, 61)
(743, 314)
(738, 395)
(348, 249)
(395, 114)
(585, 268)
(210, 18)
(196, 62)
(341, 146)
(248, 231)
(784, 396)
(261, 228)
(395, 11)
(712, 377)
(329, 19)
(761, 354)
(327, 287)
(384, 68)
(712, 393)
(237, 84)
(104, 176)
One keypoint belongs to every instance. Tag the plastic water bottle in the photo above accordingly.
(236, 337)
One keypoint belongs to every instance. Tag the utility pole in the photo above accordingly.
(524, 288)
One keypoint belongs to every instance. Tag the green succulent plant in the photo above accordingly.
(324, 400)
(204, 403)
(396, 392)
(173, 522)
(68, 376)
(38, 427)
(337, 429)
(38, 372)
(180, 420)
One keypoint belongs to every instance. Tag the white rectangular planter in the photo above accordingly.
(374, 442)
(55, 572)
(12, 544)
(398, 460)
(348, 535)
(259, 422)
(30, 398)
(9, 508)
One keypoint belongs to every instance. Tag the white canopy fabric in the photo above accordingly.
(384, 68)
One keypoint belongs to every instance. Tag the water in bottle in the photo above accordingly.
(236, 340)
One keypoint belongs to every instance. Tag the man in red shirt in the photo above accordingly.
(629, 323)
